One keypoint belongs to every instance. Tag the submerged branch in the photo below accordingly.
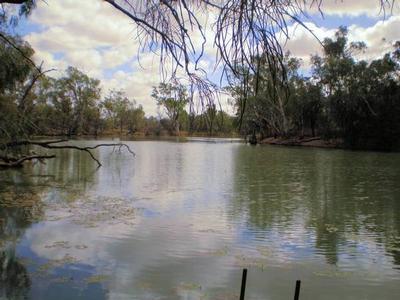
(11, 162)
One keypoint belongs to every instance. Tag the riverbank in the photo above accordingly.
(183, 135)
(317, 142)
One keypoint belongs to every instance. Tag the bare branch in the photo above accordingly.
(11, 162)
(50, 145)
(13, 1)
(30, 86)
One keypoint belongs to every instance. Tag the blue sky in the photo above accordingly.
(94, 37)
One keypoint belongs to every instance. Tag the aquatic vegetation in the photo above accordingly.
(44, 269)
(102, 210)
(88, 211)
(12, 199)
(334, 274)
(188, 286)
(59, 244)
(220, 252)
(247, 262)
(97, 279)
(331, 228)
(81, 247)
(65, 245)
(62, 279)
(265, 251)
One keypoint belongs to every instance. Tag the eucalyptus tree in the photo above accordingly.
(173, 98)
(77, 96)
(268, 97)
(361, 102)
(14, 72)
(122, 112)
(135, 118)
(116, 104)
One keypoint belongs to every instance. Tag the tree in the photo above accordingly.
(174, 98)
(117, 105)
(345, 99)
(122, 111)
(69, 104)
(262, 97)
(135, 119)
(14, 72)
(243, 30)
(76, 96)
(307, 106)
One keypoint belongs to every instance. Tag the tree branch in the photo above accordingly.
(11, 162)
(13, 1)
(12, 44)
(50, 145)
(30, 86)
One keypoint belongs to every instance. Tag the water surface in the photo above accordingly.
(181, 220)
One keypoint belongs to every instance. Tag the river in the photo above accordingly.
(181, 221)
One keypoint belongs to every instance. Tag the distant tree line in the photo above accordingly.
(357, 101)
(34, 103)
(173, 99)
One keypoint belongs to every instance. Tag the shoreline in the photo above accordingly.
(314, 142)
(139, 136)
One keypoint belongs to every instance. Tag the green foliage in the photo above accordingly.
(75, 97)
(13, 68)
(362, 99)
(14, 72)
(173, 98)
(262, 98)
(122, 112)
(355, 100)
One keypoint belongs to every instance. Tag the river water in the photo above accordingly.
(181, 221)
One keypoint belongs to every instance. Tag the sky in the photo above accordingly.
(95, 38)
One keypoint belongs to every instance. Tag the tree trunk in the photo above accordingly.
(313, 127)
(177, 128)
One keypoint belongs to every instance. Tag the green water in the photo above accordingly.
(181, 220)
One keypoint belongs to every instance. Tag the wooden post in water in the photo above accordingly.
(297, 291)
(243, 287)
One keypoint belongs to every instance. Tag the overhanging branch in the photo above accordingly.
(51, 145)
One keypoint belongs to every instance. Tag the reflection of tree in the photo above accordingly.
(14, 280)
(70, 167)
(19, 208)
(340, 195)
(263, 189)
(24, 193)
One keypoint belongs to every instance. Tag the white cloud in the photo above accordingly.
(306, 42)
(94, 37)
(379, 39)
(353, 8)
